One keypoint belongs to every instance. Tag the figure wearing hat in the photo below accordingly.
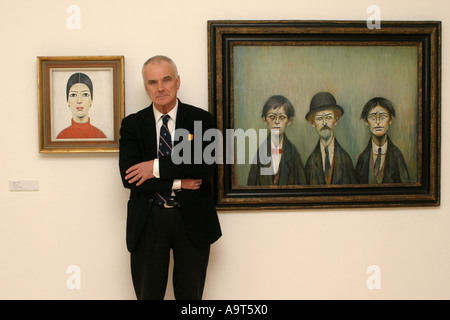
(328, 163)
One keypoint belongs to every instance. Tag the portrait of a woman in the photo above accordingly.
(79, 96)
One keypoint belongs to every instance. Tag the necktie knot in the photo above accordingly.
(165, 140)
(165, 118)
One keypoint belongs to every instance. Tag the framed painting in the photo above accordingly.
(81, 103)
(326, 114)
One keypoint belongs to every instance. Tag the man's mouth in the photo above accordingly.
(80, 108)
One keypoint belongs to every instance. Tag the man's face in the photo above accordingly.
(325, 121)
(161, 83)
(379, 120)
(80, 101)
(277, 120)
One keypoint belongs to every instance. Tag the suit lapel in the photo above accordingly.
(182, 116)
(181, 121)
(149, 133)
(319, 165)
(286, 160)
(389, 163)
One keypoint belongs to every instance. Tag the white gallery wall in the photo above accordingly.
(67, 240)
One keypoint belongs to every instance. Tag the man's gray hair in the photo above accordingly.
(159, 58)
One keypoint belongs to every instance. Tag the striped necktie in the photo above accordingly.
(164, 150)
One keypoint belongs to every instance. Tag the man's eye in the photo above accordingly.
(86, 95)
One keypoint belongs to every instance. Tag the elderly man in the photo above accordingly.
(328, 163)
(171, 205)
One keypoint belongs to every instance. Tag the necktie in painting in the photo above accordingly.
(327, 162)
(378, 162)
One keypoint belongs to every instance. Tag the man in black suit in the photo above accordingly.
(171, 205)
(328, 163)
(381, 161)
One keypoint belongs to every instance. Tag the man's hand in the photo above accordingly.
(191, 184)
(140, 172)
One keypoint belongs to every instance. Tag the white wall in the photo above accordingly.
(78, 215)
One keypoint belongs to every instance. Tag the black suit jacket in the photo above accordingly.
(343, 171)
(395, 169)
(137, 144)
(291, 170)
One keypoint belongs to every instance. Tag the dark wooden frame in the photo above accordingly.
(222, 35)
(44, 67)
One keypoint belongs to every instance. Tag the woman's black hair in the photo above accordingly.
(79, 78)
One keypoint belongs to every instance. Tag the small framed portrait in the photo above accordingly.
(326, 114)
(81, 103)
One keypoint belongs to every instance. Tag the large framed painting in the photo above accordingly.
(81, 103)
(326, 114)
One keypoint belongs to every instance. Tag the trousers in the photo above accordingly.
(164, 231)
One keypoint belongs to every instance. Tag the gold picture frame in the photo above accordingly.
(84, 121)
